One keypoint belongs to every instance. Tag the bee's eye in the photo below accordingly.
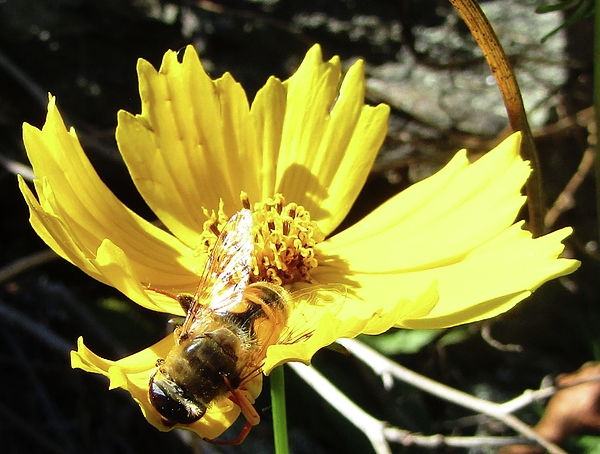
(168, 399)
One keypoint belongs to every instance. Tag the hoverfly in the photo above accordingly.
(222, 342)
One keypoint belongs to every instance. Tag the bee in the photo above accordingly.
(223, 339)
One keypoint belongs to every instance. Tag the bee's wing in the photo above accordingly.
(309, 305)
(227, 270)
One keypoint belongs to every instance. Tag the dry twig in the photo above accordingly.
(380, 434)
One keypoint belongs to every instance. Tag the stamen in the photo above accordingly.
(245, 200)
(284, 239)
(279, 202)
(286, 227)
(292, 210)
(214, 229)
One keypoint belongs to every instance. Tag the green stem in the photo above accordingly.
(597, 102)
(279, 413)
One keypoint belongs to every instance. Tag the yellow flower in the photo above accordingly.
(442, 253)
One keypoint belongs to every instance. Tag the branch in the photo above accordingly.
(378, 432)
(370, 426)
(386, 368)
(35, 329)
(31, 261)
(565, 200)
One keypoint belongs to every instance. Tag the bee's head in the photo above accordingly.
(171, 401)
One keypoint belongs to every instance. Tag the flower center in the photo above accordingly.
(284, 239)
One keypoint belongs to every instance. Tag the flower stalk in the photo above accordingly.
(278, 406)
(488, 41)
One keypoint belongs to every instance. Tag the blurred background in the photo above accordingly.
(420, 59)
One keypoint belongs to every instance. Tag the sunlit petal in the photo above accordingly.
(453, 231)
(192, 145)
(329, 140)
(75, 203)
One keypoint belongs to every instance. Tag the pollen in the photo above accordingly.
(284, 239)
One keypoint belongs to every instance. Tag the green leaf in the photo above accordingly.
(401, 341)
(560, 6)
(589, 444)
(584, 9)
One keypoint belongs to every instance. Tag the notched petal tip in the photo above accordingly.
(493, 279)
(456, 228)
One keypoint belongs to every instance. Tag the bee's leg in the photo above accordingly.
(238, 441)
(252, 418)
(239, 398)
(248, 410)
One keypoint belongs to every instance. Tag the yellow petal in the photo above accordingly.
(197, 142)
(51, 229)
(494, 278)
(329, 139)
(133, 374)
(109, 263)
(268, 114)
(193, 144)
(451, 231)
(76, 211)
(343, 315)
(439, 219)
(114, 265)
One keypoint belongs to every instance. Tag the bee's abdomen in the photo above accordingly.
(270, 295)
(263, 310)
(261, 301)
